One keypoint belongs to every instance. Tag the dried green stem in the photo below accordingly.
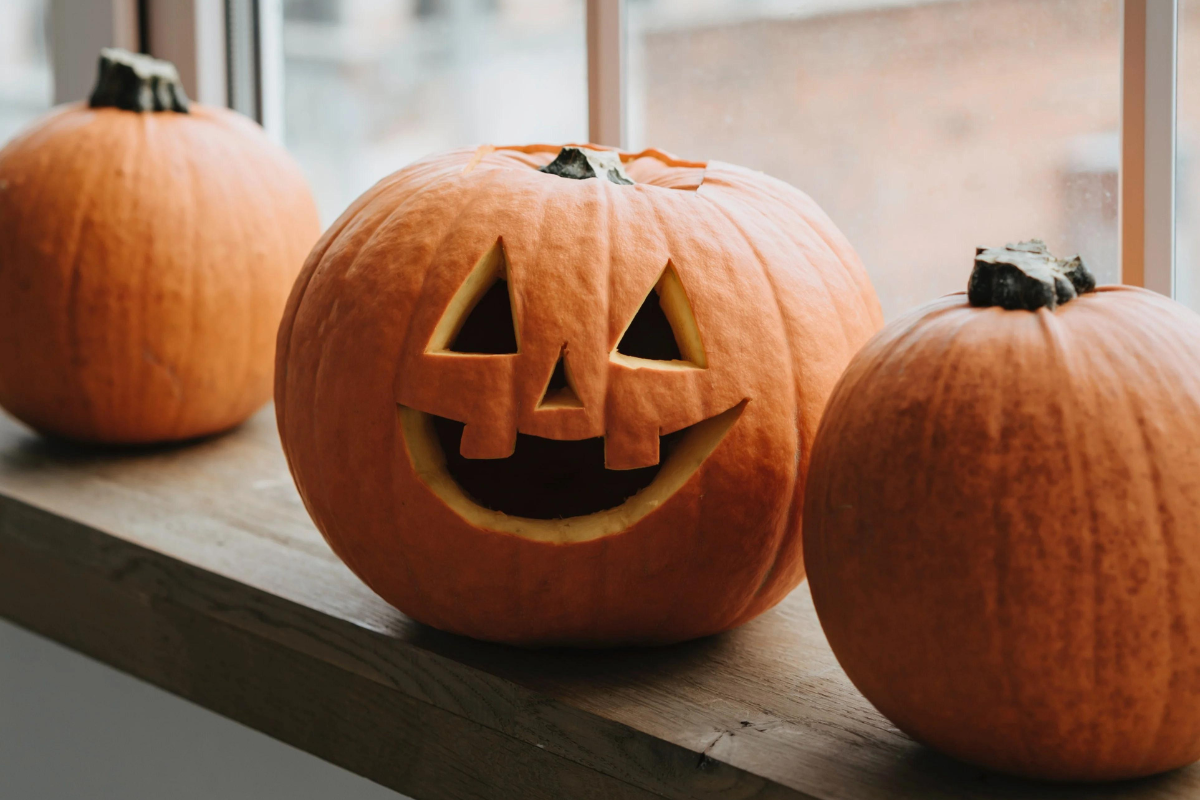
(580, 164)
(1026, 276)
(136, 82)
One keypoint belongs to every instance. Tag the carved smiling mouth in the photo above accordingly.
(554, 490)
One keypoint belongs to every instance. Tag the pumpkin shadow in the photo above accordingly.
(958, 779)
(577, 671)
(30, 451)
(582, 674)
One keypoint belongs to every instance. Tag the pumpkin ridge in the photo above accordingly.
(451, 228)
(611, 213)
(135, 171)
(416, 338)
(299, 290)
(1000, 562)
(140, 158)
(399, 454)
(1168, 549)
(1153, 338)
(147, 133)
(1172, 556)
(271, 231)
(1089, 501)
(819, 233)
(617, 331)
(939, 396)
(73, 244)
(787, 528)
(612, 216)
(843, 253)
(1055, 335)
(210, 273)
(283, 342)
(788, 233)
(432, 187)
(519, 291)
(36, 177)
(194, 270)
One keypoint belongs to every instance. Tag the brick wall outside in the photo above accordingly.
(922, 130)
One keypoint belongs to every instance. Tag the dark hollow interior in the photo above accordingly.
(546, 478)
(650, 334)
(489, 328)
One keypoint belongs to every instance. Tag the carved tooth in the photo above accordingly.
(630, 448)
(488, 441)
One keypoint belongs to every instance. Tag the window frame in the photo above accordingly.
(1146, 180)
(197, 35)
(606, 70)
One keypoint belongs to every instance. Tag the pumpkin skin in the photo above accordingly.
(1003, 532)
(145, 259)
(781, 303)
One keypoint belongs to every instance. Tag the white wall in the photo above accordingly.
(72, 728)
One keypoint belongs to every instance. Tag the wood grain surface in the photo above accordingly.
(197, 569)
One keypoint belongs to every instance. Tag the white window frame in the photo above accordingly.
(1146, 216)
(193, 34)
(606, 70)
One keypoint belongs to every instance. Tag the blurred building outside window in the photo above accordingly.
(924, 129)
(372, 85)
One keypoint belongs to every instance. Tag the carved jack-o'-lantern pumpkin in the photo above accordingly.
(543, 395)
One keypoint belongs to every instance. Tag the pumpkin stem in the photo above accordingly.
(1026, 275)
(136, 82)
(580, 164)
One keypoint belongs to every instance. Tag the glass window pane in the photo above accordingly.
(26, 85)
(371, 85)
(1187, 164)
(923, 128)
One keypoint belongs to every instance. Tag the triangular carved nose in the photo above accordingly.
(559, 392)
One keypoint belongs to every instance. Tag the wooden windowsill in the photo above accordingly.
(197, 569)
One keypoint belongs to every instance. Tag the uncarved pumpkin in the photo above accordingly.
(550, 395)
(146, 252)
(1002, 524)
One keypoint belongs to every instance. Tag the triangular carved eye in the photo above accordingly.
(664, 328)
(479, 318)
(559, 391)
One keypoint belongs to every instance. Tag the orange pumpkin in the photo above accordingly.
(146, 252)
(1002, 524)
(544, 410)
